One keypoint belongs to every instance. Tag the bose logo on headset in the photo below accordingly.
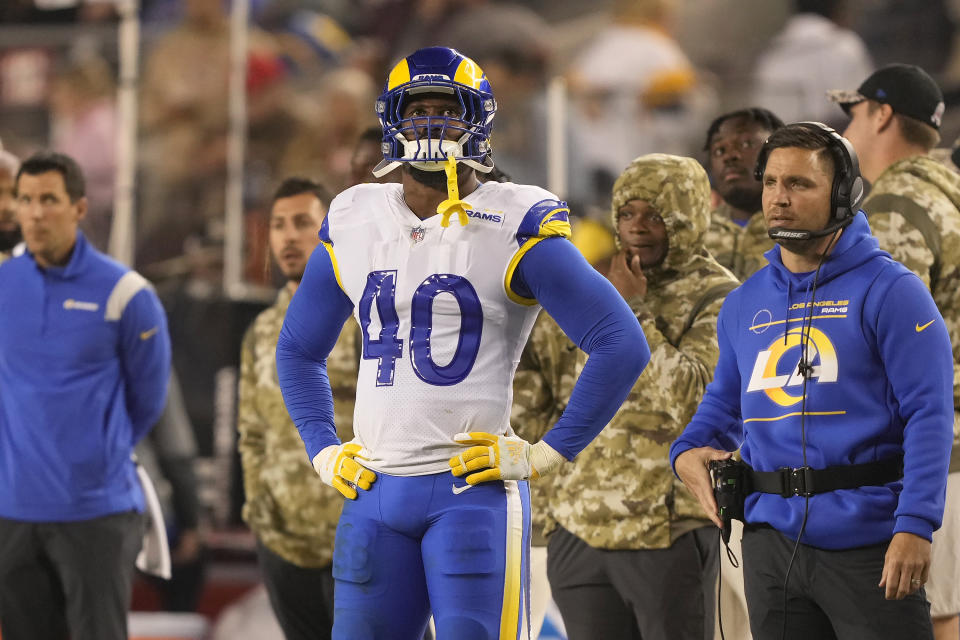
(846, 194)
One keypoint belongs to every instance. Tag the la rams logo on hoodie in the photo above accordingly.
(768, 376)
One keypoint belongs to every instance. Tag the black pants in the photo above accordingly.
(183, 590)
(63, 579)
(656, 594)
(302, 599)
(831, 595)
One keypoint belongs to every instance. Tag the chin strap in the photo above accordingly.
(453, 203)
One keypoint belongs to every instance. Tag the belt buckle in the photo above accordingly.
(801, 481)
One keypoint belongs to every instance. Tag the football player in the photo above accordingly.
(445, 273)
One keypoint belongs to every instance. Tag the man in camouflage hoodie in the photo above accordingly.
(293, 514)
(914, 211)
(628, 558)
(737, 235)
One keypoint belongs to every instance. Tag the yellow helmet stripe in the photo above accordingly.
(469, 73)
(399, 75)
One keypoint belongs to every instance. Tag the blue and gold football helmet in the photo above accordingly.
(424, 143)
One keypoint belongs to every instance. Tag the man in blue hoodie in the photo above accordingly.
(835, 381)
(84, 363)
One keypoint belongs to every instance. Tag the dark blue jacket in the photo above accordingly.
(84, 364)
(882, 386)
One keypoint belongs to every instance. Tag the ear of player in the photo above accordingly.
(337, 466)
(492, 457)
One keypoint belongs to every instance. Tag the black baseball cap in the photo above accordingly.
(908, 89)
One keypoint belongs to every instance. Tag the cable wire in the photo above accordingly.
(806, 370)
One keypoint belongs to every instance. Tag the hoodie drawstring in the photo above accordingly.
(786, 312)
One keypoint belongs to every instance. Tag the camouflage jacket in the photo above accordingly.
(914, 211)
(739, 249)
(287, 506)
(541, 388)
(620, 492)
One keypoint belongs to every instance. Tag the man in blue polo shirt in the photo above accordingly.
(84, 363)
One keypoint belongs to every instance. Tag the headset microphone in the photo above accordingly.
(805, 234)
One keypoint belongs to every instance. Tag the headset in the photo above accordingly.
(848, 188)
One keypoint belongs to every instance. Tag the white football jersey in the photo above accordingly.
(442, 331)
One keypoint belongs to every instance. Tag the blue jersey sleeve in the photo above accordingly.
(907, 324)
(310, 330)
(594, 316)
(145, 356)
(717, 422)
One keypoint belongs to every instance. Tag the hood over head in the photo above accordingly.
(679, 189)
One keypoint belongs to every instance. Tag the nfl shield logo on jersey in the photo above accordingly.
(417, 234)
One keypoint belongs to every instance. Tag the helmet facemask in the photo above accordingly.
(425, 142)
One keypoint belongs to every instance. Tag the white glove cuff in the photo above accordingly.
(323, 463)
(545, 458)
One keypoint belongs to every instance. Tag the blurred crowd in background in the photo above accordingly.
(641, 76)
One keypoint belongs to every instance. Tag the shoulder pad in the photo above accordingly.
(549, 217)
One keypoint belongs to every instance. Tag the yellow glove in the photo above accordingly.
(495, 457)
(337, 467)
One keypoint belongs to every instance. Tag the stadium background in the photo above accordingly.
(185, 114)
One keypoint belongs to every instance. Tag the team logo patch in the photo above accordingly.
(761, 321)
(485, 216)
(937, 116)
(79, 305)
(772, 378)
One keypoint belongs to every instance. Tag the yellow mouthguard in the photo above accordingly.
(453, 203)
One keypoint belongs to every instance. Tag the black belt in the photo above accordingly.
(807, 481)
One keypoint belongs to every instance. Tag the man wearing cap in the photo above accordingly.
(914, 211)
